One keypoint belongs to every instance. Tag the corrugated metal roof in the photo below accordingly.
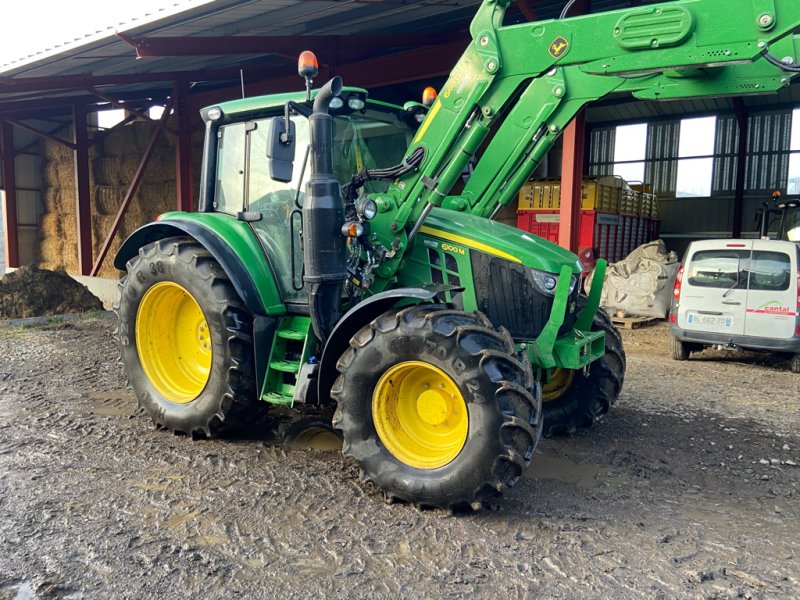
(105, 54)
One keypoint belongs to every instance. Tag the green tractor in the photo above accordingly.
(339, 261)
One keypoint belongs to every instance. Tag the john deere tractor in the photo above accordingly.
(339, 260)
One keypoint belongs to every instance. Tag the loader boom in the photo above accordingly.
(517, 87)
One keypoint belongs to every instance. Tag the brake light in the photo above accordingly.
(736, 245)
(676, 291)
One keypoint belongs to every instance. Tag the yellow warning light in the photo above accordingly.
(429, 95)
(307, 64)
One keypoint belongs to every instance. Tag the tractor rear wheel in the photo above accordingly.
(436, 407)
(579, 398)
(185, 339)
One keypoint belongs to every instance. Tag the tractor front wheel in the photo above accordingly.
(185, 339)
(579, 398)
(436, 408)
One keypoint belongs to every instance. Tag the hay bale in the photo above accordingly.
(50, 150)
(101, 226)
(107, 199)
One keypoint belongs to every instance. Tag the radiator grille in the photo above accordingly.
(506, 295)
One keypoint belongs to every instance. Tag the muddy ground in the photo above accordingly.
(689, 489)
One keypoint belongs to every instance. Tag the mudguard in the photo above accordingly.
(356, 318)
(228, 259)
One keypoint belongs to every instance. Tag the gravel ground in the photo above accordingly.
(689, 488)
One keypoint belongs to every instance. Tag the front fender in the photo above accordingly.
(356, 318)
(232, 243)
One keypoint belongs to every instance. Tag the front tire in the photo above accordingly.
(185, 339)
(436, 408)
(580, 398)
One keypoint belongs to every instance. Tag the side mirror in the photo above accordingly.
(280, 149)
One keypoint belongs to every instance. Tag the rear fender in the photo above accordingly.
(255, 286)
(356, 318)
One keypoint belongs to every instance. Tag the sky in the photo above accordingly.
(30, 26)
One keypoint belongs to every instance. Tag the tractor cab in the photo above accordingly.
(239, 181)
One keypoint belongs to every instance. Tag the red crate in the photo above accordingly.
(598, 230)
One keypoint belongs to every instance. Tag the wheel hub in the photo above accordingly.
(173, 342)
(434, 407)
(420, 415)
(560, 381)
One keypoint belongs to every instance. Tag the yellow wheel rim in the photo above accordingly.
(420, 415)
(173, 342)
(560, 380)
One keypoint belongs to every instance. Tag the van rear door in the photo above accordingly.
(771, 292)
(714, 289)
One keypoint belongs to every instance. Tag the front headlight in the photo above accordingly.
(546, 282)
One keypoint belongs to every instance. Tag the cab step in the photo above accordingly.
(290, 353)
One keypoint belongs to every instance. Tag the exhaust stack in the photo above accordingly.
(325, 253)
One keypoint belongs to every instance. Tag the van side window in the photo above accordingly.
(770, 271)
(719, 268)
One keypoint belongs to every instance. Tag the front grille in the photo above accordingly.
(506, 295)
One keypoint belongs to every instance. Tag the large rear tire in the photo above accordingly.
(185, 339)
(580, 398)
(436, 408)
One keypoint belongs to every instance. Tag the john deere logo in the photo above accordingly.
(559, 47)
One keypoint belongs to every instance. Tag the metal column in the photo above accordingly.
(10, 188)
(183, 146)
(83, 207)
(574, 139)
(741, 166)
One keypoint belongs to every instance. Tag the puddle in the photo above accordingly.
(24, 591)
(561, 469)
(314, 437)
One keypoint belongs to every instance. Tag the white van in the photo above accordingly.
(738, 294)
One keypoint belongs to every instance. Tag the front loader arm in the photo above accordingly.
(515, 89)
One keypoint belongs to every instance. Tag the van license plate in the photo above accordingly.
(713, 320)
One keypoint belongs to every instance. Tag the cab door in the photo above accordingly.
(771, 293)
(714, 290)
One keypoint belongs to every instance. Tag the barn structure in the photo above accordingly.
(74, 188)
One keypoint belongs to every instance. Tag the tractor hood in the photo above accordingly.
(504, 241)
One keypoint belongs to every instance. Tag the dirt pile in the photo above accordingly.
(33, 292)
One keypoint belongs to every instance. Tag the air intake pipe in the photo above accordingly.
(325, 252)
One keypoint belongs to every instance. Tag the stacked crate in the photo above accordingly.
(615, 218)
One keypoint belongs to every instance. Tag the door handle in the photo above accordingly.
(733, 302)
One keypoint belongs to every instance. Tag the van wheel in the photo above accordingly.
(795, 364)
(680, 351)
